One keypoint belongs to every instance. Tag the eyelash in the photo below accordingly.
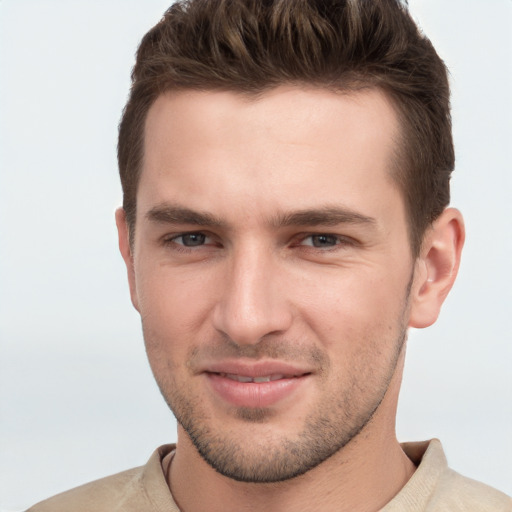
(181, 247)
(338, 241)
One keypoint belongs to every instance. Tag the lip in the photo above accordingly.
(254, 368)
(221, 379)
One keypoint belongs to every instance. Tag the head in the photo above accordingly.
(285, 169)
(254, 46)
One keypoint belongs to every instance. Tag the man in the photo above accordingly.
(285, 169)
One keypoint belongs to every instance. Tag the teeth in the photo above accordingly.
(262, 379)
(239, 378)
(243, 378)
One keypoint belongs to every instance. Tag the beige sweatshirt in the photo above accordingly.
(432, 488)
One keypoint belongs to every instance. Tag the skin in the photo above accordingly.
(269, 230)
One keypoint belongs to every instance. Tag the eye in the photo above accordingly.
(321, 241)
(190, 239)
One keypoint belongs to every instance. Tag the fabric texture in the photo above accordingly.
(433, 488)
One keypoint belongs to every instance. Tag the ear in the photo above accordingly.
(436, 267)
(126, 253)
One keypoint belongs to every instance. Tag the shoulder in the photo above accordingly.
(104, 494)
(458, 493)
(434, 487)
(141, 488)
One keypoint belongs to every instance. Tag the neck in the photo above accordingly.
(365, 475)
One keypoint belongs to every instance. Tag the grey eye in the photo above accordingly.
(324, 240)
(193, 239)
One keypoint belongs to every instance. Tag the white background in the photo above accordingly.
(77, 400)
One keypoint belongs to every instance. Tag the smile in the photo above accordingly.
(263, 378)
(255, 391)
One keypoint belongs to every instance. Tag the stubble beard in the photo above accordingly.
(333, 424)
(269, 458)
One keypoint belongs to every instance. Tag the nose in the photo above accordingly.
(252, 303)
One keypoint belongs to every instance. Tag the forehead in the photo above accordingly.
(285, 148)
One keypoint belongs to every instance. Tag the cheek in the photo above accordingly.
(173, 304)
(351, 307)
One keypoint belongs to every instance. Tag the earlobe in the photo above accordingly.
(436, 267)
(126, 252)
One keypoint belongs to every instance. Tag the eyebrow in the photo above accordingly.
(171, 214)
(325, 216)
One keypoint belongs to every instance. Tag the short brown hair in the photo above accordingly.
(251, 46)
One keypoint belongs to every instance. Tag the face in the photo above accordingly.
(271, 267)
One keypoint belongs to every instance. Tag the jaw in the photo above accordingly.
(355, 470)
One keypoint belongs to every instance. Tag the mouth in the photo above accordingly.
(256, 387)
(262, 378)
